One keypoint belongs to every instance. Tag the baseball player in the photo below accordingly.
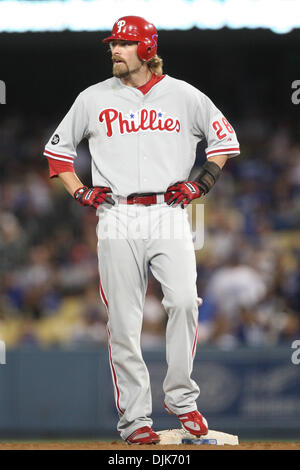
(143, 127)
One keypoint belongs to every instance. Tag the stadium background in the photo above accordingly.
(56, 380)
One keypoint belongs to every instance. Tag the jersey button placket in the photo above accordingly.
(145, 162)
(143, 180)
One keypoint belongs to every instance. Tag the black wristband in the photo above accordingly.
(209, 174)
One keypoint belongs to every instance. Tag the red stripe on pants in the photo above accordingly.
(110, 355)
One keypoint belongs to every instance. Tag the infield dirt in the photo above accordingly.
(122, 446)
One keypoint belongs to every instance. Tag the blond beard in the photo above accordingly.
(125, 73)
(120, 73)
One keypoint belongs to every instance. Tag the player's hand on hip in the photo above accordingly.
(183, 193)
(93, 197)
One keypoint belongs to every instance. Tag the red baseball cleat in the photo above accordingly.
(143, 435)
(193, 422)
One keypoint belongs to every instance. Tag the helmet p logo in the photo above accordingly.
(120, 25)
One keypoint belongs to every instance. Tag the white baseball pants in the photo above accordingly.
(132, 238)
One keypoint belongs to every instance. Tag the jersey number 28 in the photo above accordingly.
(219, 128)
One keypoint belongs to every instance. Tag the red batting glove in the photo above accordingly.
(93, 197)
(183, 193)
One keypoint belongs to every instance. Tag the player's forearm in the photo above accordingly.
(220, 160)
(70, 181)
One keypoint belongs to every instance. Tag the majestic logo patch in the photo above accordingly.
(145, 119)
(190, 187)
(55, 139)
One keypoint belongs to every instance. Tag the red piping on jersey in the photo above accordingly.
(237, 149)
(47, 152)
(153, 80)
(103, 297)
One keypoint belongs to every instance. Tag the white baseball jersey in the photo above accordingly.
(142, 143)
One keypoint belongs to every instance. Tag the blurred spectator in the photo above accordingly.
(90, 328)
(235, 287)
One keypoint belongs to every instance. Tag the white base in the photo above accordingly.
(174, 436)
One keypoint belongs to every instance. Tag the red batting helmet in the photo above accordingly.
(135, 28)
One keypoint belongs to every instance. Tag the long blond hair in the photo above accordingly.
(156, 65)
